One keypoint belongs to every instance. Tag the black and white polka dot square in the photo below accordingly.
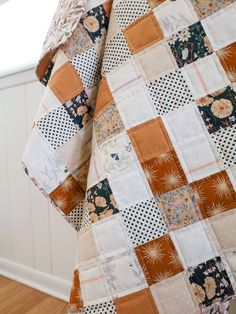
(127, 12)
(88, 66)
(102, 308)
(57, 127)
(75, 217)
(225, 142)
(169, 92)
(143, 222)
(116, 52)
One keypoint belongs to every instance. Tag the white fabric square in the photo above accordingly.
(220, 27)
(110, 235)
(124, 274)
(175, 15)
(205, 76)
(43, 162)
(123, 75)
(130, 186)
(135, 104)
(86, 247)
(94, 288)
(194, 244)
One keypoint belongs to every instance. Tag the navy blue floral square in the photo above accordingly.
(190, 44)
(218, 109)
(210, 282)
(101, 202)
(96, 22)
(79, 109)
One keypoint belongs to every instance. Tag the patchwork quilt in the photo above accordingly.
(134, 143)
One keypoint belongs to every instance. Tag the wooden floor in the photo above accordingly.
(16, 298)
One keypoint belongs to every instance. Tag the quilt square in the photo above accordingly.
(76, 301)
(227, 56)
(210, 282)
(136, 303)
(215, 194)
(158, 51)
(164, 173)
(155, 3)
(205, 8)
(104, 96)
(194, 244)
(107, 123)
(101, 201)
(175, 15)
(173, 295)
(150, 140)
(134, 32)
(205, 76)
(190, 44)
(222, 22)
(218, 110)
(101, 308)
(159, 259)
(179, 208)
(79, 109)
(87, 250)
(67, 195)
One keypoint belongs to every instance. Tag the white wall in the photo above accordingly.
(36, 245)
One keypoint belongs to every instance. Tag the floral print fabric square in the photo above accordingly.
(190, 44)
(101, 202)
(218, 109)
(210, 282)
(79, 109)
(179, 208)
(159, 259)
(205, 8)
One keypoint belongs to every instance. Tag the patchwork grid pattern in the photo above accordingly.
(136, 254)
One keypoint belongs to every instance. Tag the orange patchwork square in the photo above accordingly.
(159, 259)
(66, 83)
(150, 139)
(164, 173)
(104, 96)
(143, 32)
(67, 195)
(227, 56)
(155, 3)
(136, 303)
(76, 301)
(215, 194)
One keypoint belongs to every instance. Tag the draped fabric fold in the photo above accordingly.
(134, 144)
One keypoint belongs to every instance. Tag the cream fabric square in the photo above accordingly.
(110, 235)
(221, 27)
(124, 274)
(86, 248)
(135, 104)
(94, 288)
(48, 103)
(173, 296)
(130, 186)
(194, 244)
(205, 76)
(224, 226)
(191, 141)
(123, 75)
(175, 15)
(231, 259)
(43, 162)
(158, 51)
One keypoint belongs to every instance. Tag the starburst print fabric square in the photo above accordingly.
(210, 282)
(179, 208)
(218, 110)
(159, 259)
(227, 56)
(215, 194)
(101, 202)
(190, 44)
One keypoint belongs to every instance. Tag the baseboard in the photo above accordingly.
(49, 284)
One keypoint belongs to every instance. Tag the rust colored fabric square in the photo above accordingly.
(76, 301)
(67, 195)
(159, 259)
(227, 56)
(135, 36)
(104, 96)
(215, 194)
(136, 303)
(150, 140)
(66, 83)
